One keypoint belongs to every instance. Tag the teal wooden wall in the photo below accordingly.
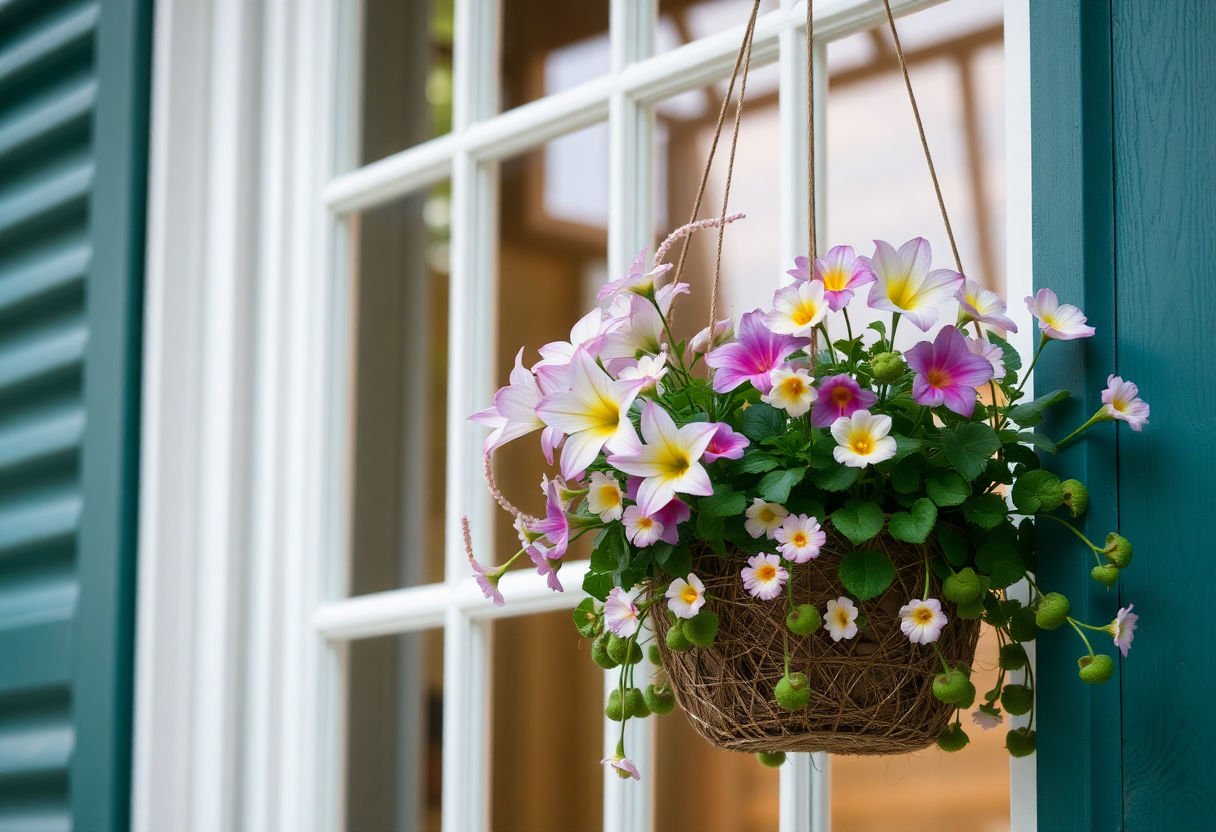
(73, 127)
(1124, 124)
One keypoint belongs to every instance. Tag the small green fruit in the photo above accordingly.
(676, 640)
(1020, 742)
(1076, 497)
(618, 648)
(661, 700)
(953, 687)
(599, 652)
(1013, 657)
(952, 738)
(701, 628)
(772, 759)
(1118, 550)
(888, 367)
(1094, 670)
(793, 692)
(1017, 699)
(803, 620)
(614, 710)
(652, 653)
(1107, 575)
(1021, 624)
(1052, 612)
(963, 586)
(635, 703)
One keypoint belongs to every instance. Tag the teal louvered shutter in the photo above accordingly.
(73, 135)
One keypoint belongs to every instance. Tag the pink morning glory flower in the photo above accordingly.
(555, 525)
(642, 529)
(637, 280)
(756, 353)
(487, 581)
(546, 566)
(1123, 628)
(669, 516)
(725, 444)
(623, 766)
(1061, 321)
(764, 576)
(989, 352)
(620, 613)
(983, 305)
(1121, 400)
(841, 272)
(839, 396)
(904, 283)
(947, 372)
(670, 460)
(800, 538)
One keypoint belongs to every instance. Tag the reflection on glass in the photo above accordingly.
(551, 259)
(394, 740)
(546, 716)
(399, 298)
(405, 76)
(551, 45)
(682, 21)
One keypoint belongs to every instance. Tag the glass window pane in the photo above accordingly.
(682, 21)
(547, 741)
(394, 742)
(398, 368)
(551, 45)
(405, 71)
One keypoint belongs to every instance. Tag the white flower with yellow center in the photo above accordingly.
(922, 621)
(686, 597)
(800, 537)
(620, 613)
(1121, 400)
(641, 529)
(792, 390)
(841, 618)
(650, 370)
(861, 439)
(764, 518)
(669, 462)
(797, 309)
(594, 413)
(604, 497)
(764, 576)
(907, 286)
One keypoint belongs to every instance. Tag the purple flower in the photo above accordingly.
(555, 525)
(487, 581)
(1061, 321)
(839, 396)
(841, 271)
(1123, 628)
(947, 372)
(625, 768)
(669, 516)
(752, 357)
(725, 444)
(545, 565)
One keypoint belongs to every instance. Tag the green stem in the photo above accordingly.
(848, 325)
(894, 326)
(1074, 530)
(1088, 646)
(827, 340)
(1043, 339)
(1100, 416)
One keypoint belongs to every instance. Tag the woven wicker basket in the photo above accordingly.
(869, 695)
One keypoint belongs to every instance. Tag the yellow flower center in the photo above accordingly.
(835, 280)
(922, 615)
(605, 415)
(674, 461)
(644, 523)
(799, 539)
(1120, 404)
(842, 617)
(861, 443)
(765, 515)
(766, 572)
(804, 314)
(609, 496)
(901, 293)
(689, 594)
(794, 386)
(937, 377)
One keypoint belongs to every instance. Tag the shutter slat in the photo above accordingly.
(33, 128)
(47, 648)
(44, 277)
(46, 44)
(47, 196)
(26, 528)
(49, 438)
(51, 357)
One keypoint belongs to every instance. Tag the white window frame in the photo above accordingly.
(241, 620)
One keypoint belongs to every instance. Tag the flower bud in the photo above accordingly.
(652, 653)
(1017, 699)
(614, 710)
(1096, 669)
(599, 652)
(635, 703)
(676, 640)
(1013, 657)
(793, 692)
(701, 628)
(772, 759)
(1052, 612)
(660, 699)
(803, 620)
(705, 340)
(953, 687)
(1020, 742)
(1118, 550)
(1022, 624)
(1076, 497)
(888, 367)
(962, 586)
(1107, 575)
(952, 738)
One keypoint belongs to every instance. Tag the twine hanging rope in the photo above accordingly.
(739, 74)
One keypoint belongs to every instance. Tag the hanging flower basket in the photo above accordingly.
(803, 523)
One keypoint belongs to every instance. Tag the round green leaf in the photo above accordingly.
(858, 521)
(866, 573)
(914, 525)
(947, 488)
(1038, 491)
(985, 510)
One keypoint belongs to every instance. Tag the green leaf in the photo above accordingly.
(947, 488)
(1038, 440)
(1031, 413)
(598, 584)
(905, 477)
(709, 527)
(775, 486)
(985, 510)
(724, 502)
(762, 421)
(836, 477)
(757, 462)
(585, 618)
(914, 526)
(675, 560)
(905, 445)
(858, 521)
(954, 545)
(866, 573)
(805, 504)
(879, 327)
(610, 552)
(1022, 455)
(1013, 359)
(968, 446)
(1002, 562)
(1037, 491)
